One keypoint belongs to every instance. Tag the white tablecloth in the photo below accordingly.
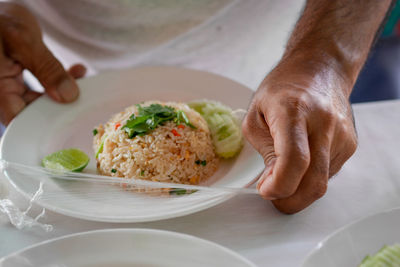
(368, 183)
(249, 225)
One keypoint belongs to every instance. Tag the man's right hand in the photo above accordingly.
(22, 47)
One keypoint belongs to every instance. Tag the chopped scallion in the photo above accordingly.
(201, 162)
(177, 191)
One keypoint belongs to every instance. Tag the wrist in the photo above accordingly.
(319, 69)
(310, 79)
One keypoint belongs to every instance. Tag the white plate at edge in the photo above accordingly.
(123, 248)
(349, 245)
(45, 127)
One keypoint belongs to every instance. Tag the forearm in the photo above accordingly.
(336, 35)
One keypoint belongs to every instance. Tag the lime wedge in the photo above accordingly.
(72, 159)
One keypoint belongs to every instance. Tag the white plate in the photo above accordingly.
(349, 245)
(45, 127)
(126, 247)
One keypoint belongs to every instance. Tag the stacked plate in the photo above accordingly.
(126, 247)
(351, 244)
(45, 127)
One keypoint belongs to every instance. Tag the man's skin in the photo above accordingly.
(300, 119)
(22, 47)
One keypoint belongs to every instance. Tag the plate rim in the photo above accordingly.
(133, 231)
(128, 219)
(340, 229)
(136, 219)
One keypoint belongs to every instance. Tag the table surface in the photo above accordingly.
(368, 183)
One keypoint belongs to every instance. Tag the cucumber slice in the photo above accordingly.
(72, 159)
(225, 129)
(388, 256)
(208, 106)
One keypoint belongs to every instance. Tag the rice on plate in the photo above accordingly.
(173, 151)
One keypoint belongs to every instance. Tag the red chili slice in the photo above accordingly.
(174, 132)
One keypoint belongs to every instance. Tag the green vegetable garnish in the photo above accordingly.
(160, 110)
(141, 172)
(95, 132)
(100, 149)
(201, 162)
(151, 117)
(182, 118)
(113, 170)
(177, 191)
(387, 256)
(225, 129)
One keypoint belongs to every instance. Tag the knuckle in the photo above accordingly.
(335, 165)
(326, 114)
(334, 170)
(303, 157)
(299, 156)
(352, 146)
(12, 27)
(268, 156)
(15, 13)
(342, 156)
(348, 151)
(303, 103)
(297, 105)
(19, 28)
(246, 126)
(254, 124)
(17, 40)
(11, 21)
(50, 68)
(15, 32)
(320, 169)
(319, 190)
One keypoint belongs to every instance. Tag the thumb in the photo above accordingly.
(22, 39)
(58, 84)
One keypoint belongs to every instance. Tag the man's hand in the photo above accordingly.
(300, 119)
(22, 47)
(304, 132)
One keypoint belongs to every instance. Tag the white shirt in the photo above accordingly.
(240, 39)
(107, 29)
